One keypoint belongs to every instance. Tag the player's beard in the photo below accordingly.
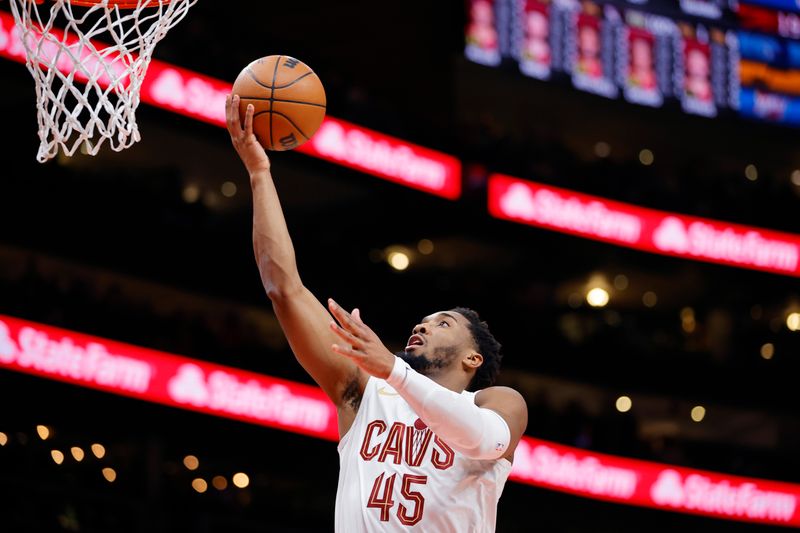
(422, 363)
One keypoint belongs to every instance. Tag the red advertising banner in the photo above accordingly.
(163, 378)
(203, 98)
(660, 486)
(643, 229)
(386, 157)
(218, 390)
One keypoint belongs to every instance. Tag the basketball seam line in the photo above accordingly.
(266, 86)
(290, 122)
(323, 106)
(271, 94)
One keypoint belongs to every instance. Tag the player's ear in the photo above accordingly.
(473, 361)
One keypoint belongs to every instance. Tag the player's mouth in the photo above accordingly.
(414, 341)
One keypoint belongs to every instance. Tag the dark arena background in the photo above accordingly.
(614, 186)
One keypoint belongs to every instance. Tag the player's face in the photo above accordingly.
(438, 341)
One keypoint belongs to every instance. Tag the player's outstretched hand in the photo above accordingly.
(244, 141)
(361, 344)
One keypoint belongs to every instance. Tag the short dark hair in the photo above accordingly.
(487, 346)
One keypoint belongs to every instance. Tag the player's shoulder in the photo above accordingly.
(506, 402)
(500, 393)
(500, 389)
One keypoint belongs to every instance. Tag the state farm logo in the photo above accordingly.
(579, 472)
(668, 489)
(398, 160)
(518, 202)
(670, 236)
(722, 497)
(8, 348)
(191, 93)
(726, 243)
(223, 391)
(330, 140)
(168, 89)
(569, 212)
(189, 386)
(61, 355)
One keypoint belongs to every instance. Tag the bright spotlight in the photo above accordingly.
(698, 413)
(793, 321)
(624, 404)
(398, 260)
(241, 480)
(597, 297)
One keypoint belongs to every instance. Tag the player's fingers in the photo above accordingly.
(363, 330)
(235, 123)
(346, 335)
(228, 111)
(248, 119)
(343, 316)
(347, 351)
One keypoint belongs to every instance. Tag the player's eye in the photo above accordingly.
(444, 323)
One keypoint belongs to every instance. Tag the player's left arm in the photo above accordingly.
(511, 407)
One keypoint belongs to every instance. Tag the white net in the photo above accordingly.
(88, 63)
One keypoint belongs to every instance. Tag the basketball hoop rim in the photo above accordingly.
(122, 4)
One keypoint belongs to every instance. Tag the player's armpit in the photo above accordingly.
(511, 406)
(305, 322)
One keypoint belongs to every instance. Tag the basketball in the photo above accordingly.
(288, 97)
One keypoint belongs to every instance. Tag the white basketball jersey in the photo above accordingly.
(396, 475)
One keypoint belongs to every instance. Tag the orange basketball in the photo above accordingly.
(288, 97)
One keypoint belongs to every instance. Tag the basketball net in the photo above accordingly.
(72, 116)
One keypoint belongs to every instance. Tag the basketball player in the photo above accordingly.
(417, 451)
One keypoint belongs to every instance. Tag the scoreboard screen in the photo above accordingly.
(704, 57)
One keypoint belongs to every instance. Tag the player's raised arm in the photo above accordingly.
(303, 318)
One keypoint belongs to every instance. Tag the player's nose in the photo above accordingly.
(419, 329)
